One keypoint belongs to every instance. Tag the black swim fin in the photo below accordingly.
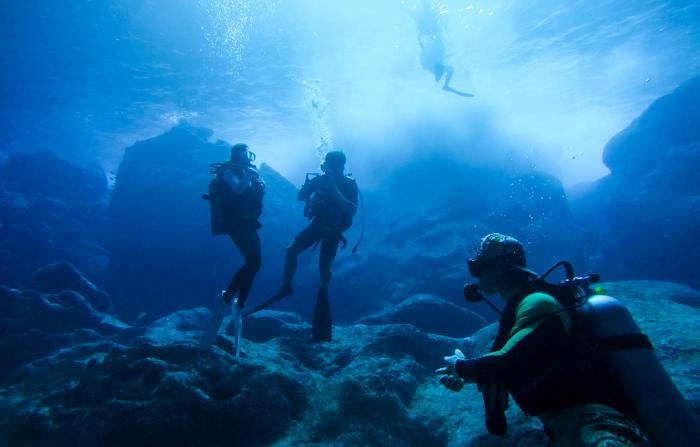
(282, 293)
(322, 325)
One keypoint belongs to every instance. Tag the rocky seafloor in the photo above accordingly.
(74, 375)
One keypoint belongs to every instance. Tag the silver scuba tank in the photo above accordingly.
(653, 401)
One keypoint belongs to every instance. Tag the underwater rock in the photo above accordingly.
(55, 278)
(34, 324)
(664, 134)
(178, 327)
(160, 228)
(267, 324)
(373, 382)
(50, 210)
(642, 220)
(431, 314)
(153, 395)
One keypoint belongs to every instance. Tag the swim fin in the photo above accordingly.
(218, 311)
(281, 293)
(238, 325)
(322, 325)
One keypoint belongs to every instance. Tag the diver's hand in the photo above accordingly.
(452, 383)
(448, 374)
(451, 368)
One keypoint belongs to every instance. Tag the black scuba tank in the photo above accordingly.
(649, 395)
(218, 192)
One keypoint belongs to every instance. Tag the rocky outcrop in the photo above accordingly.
(373, 382)
(643, 219)
(51, 210)
(35, 324)
(55, 278)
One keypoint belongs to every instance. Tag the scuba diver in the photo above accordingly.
(331, 202)
(575, 359)
(431, 38)
(235, 199)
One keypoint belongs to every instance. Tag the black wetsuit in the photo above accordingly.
(328, 222)
(242, 212)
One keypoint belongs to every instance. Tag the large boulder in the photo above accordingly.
(34, 324)
(51, 210)
(431, 314)
(643, 220)
(55, 278)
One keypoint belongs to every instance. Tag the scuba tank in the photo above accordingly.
(218, 189)
(650, 396)
(647, 393)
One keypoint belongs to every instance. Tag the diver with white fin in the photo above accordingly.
(570, 356)
(235, 199)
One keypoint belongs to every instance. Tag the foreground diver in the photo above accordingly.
(331, 203)
(574, 359)
(235, 198)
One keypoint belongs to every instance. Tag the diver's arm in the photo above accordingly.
(308, 188)
(523, 355)
(536, 334)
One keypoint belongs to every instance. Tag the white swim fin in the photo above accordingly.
(238, 322)
(218, 311)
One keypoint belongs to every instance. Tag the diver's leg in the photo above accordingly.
(322, 325)
(329, 248)
(235, 284)
(438, 71)
(248, 243)
(602, 426)
(301, 242)
(449, 71)
(446, 86)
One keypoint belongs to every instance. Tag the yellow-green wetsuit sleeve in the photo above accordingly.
(539, 328)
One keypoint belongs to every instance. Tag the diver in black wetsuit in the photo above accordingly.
(331, 203)
(573, 358)
(240, 199)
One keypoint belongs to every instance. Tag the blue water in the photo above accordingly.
(557, 78)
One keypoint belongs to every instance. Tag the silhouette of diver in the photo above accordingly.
(431, 41)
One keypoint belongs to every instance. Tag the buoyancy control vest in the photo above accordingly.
(320, 206)
(229, 210)
(603, 359)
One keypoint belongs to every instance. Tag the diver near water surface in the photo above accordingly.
(331, 202)
(235, 197)
(575, 359)
(431, 38)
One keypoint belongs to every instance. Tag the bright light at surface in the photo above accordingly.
(553, 80)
